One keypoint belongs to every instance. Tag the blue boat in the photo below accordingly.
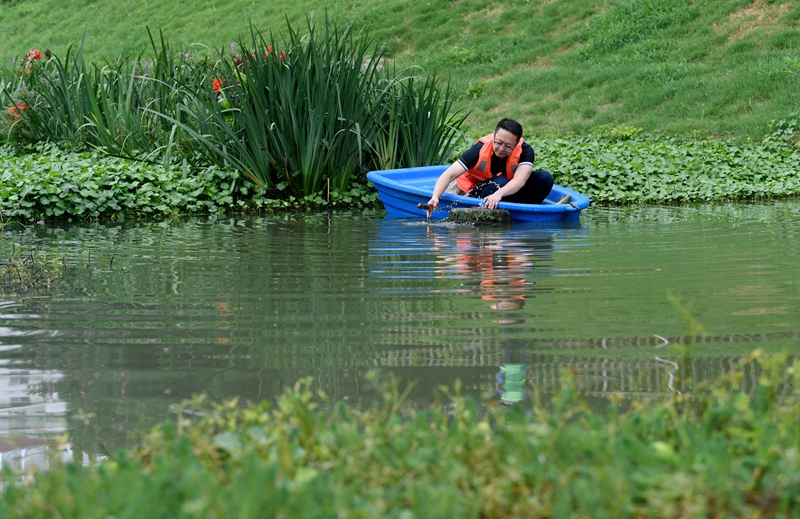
(401, 190)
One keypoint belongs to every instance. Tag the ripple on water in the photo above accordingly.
(145, 314)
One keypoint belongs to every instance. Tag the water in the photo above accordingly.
(141, 315)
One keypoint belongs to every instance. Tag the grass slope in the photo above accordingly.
(713, 68)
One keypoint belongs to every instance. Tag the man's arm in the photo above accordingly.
(454, 171)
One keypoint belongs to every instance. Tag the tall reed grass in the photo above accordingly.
(303, 113)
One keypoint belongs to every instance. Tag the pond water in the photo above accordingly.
(141, 315)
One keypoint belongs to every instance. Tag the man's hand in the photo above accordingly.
(492, 200)
(432, 204)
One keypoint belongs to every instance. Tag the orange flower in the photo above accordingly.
(34, 54)
(217, 85)
(283, 56)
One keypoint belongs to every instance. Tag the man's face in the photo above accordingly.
(504, 143)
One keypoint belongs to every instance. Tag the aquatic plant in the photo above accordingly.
(53, 184)
(319, 114)
(661, 169)
(26, 270)
(79, 105)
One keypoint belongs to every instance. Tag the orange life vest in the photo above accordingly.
(483, 169)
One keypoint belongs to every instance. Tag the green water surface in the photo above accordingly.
(141, 315)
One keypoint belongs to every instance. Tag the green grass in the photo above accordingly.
(715, 68)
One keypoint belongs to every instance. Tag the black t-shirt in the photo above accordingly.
(470, 158)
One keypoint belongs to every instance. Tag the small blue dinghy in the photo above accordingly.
(401, 190)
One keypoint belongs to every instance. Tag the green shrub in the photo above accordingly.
(725, 450)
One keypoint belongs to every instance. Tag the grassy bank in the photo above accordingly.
(715, 68)
(721, 451)
(610, 96)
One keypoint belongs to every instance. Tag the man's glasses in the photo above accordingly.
(507, 147)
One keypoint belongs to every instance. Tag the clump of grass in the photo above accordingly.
(726, 450)
(629, 21)
(307, 112)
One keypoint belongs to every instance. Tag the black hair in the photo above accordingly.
(510, 125)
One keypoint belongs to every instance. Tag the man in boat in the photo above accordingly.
(497, 167)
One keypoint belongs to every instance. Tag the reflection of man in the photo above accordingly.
(512, 377)
(500, 268)
(503, 279)
(497, 167)
(496, 269)
(512, 382)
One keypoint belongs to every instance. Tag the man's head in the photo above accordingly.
(507, 134)
(511, 126)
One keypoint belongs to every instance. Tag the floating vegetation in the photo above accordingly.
(32, 270)
(479, 215)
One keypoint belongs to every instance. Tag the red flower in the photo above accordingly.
(217, 85)
(269, 48)
(14, 110)
(283, 56)
(34, 54)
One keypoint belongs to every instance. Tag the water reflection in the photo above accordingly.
(489, 274)
(31, 412)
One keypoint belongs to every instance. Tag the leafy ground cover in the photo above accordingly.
(610, 169)
(713, 68)
(725, 450)
(55, 184)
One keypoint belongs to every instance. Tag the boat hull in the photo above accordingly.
(401, 190)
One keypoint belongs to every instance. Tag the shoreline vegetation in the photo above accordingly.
(272, 123)
(296, 120)
(728, 449)
(44, 182)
